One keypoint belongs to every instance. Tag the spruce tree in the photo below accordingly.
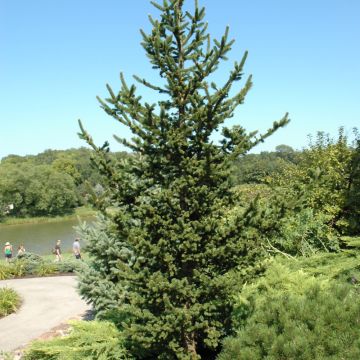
(161, 266)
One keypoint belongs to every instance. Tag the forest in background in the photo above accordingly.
(51, 183)
(323, 179)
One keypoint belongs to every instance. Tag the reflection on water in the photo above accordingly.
(40, 238)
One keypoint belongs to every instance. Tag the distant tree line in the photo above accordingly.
(256, 168)
(323, 177)
(51, 183)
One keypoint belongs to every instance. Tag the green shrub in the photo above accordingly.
(19, 268)
(91, 340)
(12, 269)
(5, 271)
(28, 256)
(9, 301)
(27, 264)
(45, 269)
(293, 315)
(351, 241)
(69, 266)
(32, 264)
(343, 266)
(6, 355)
(306, 233)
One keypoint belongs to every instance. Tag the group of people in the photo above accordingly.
(9, 252)
(75, 248)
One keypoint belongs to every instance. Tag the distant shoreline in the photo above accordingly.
(80, 211)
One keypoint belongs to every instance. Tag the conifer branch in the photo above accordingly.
(276, 125)
(149, 85)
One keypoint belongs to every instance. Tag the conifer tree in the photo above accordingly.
(170, 246)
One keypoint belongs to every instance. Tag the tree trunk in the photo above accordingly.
(190, 346)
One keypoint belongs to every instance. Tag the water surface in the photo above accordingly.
(40, 238)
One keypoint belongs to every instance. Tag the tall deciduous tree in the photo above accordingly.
(167, 257)
(36, 190)
(352, 204)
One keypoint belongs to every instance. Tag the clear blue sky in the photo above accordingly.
(56, 56)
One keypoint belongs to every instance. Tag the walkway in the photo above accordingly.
(47, 302)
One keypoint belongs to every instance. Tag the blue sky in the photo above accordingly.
(56, 56)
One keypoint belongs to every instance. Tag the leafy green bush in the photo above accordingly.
(293, 315)
(93, 340)
(9, 301)
(305, 233)
(327, 179)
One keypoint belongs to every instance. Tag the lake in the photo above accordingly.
(40, 238)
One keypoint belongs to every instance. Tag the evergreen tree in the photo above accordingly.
(172, 245)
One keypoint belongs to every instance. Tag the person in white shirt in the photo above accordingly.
(76, 248)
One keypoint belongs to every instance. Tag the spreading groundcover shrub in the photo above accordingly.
(9, 301)
(293, 315)
(34, 265)
(303, 309)
(88, 340)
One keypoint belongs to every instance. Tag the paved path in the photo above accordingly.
(47, 302)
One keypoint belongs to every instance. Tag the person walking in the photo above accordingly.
(8, 251)
(57, 251)
(76, 249)
(21, 250)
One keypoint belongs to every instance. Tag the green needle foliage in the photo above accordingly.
(173, 244)
(290, 314)
(87, 340)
